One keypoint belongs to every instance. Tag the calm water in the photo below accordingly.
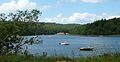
(51, 45)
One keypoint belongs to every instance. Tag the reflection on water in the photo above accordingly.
(51, 45)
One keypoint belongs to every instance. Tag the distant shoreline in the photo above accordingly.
(82, 35)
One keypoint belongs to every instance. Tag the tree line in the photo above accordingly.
(27, 23)
(100, 27)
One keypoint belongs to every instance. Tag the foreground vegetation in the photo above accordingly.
(30, 58)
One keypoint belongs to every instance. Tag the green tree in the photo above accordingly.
(10, 41)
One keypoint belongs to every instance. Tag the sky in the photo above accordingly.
(66, 11)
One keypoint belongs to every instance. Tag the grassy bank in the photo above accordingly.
(30, 58)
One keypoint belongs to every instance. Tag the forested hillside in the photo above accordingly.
(100, 27)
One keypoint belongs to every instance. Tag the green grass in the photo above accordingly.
(30, 58)
(102, 58)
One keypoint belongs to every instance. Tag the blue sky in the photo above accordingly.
(67, 11)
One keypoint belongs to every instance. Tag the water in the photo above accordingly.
(51, 45)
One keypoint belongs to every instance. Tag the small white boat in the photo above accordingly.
(64, 43)
(87, 49)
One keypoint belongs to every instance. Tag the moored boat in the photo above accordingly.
(64, 43)
(87, 49)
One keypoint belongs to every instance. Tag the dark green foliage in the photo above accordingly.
(35, 28)
(100, 27)
(12, 26)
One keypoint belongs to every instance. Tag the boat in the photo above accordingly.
(64, 43)
(49, 36)
(87, 49)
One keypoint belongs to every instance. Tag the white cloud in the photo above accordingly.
(110, 17)
(78, 18)
(91, 1)
(25, 4)
(58, 19)
(15, 5)
(83, 18)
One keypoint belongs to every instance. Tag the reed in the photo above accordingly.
(30, 58)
